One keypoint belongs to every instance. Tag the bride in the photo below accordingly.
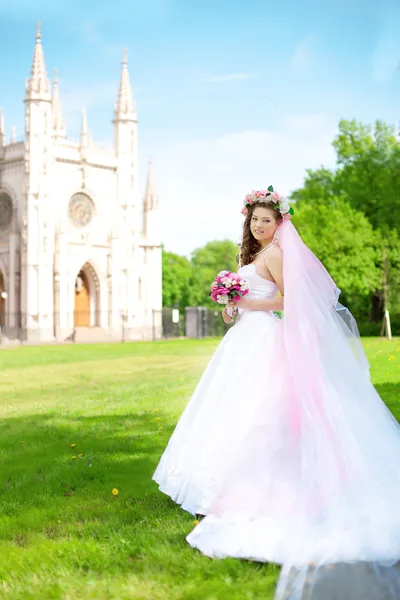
(285, 447)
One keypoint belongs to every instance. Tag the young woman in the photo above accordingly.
(285, 445)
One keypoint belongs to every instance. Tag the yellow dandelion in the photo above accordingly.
(391, 357)
(180, 378)
(74, 457)
(156, 410)
(158, 418)
(115, 492)
(196, 522)
(73, 445)
(80, 454)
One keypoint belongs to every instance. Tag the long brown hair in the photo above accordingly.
(249, 245)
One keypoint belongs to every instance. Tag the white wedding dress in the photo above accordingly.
(327, 494)
(224, 408)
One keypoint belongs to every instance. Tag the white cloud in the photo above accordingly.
(87, 30)
(227, 78)
(202, 182)
(89, 33)
(303, 56)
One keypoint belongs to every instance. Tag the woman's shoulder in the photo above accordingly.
(274, 253)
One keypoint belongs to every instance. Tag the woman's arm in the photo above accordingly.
(275, 267)
(261, 304)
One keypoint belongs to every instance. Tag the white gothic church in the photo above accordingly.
(80, 255)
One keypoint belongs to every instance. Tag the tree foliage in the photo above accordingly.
(187, 282)
(369, 171)
(176, 272)
(350, 216)
(344, 240)
(206, 263)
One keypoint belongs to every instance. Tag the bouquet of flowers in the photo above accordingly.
(228, 287)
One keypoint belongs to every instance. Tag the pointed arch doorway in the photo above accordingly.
(87, 298)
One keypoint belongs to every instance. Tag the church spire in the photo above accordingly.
(84, 136)
(84, 129)
(150, 199)
(124, 108)
(58, 123)
(2, 130)
(38, 85)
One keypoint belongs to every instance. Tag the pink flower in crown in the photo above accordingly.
(244, 211)
(259, 194)
(275, 197)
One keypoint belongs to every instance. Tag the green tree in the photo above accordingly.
(319, 185)
(344, 240)
(367, 179)
(206, 263)
(369, 171)
(176, 273)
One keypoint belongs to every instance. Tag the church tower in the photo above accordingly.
(152, 252)
(37, 223)
(124, 275)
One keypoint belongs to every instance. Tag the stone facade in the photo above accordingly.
(79, 252)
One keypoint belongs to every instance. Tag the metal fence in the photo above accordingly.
(167, 323)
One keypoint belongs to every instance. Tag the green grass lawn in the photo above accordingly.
(80, 421)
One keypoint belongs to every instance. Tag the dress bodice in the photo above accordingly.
(258, 286)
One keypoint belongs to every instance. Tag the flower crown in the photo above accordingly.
(268, 196)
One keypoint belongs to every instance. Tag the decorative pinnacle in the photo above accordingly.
(124, 106)
(58, 123)
(38, 83)
(150, 200)
(84, 130)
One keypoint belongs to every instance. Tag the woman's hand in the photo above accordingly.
(227, 318)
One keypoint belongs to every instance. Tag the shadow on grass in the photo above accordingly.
(47, 457)
(53, 505)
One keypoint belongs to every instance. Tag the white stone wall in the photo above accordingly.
(43, 251)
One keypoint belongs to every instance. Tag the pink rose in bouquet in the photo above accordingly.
(228, 287)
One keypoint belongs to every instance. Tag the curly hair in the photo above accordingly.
(249, 245)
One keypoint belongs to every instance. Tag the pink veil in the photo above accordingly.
(341, 478)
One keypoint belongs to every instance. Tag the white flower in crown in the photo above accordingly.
(284, 206)
(222, 273)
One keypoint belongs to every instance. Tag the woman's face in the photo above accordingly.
(263, 224)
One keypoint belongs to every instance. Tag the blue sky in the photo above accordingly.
(231, 96)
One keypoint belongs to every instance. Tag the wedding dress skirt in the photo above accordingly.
(225, 407)
(320, 493)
